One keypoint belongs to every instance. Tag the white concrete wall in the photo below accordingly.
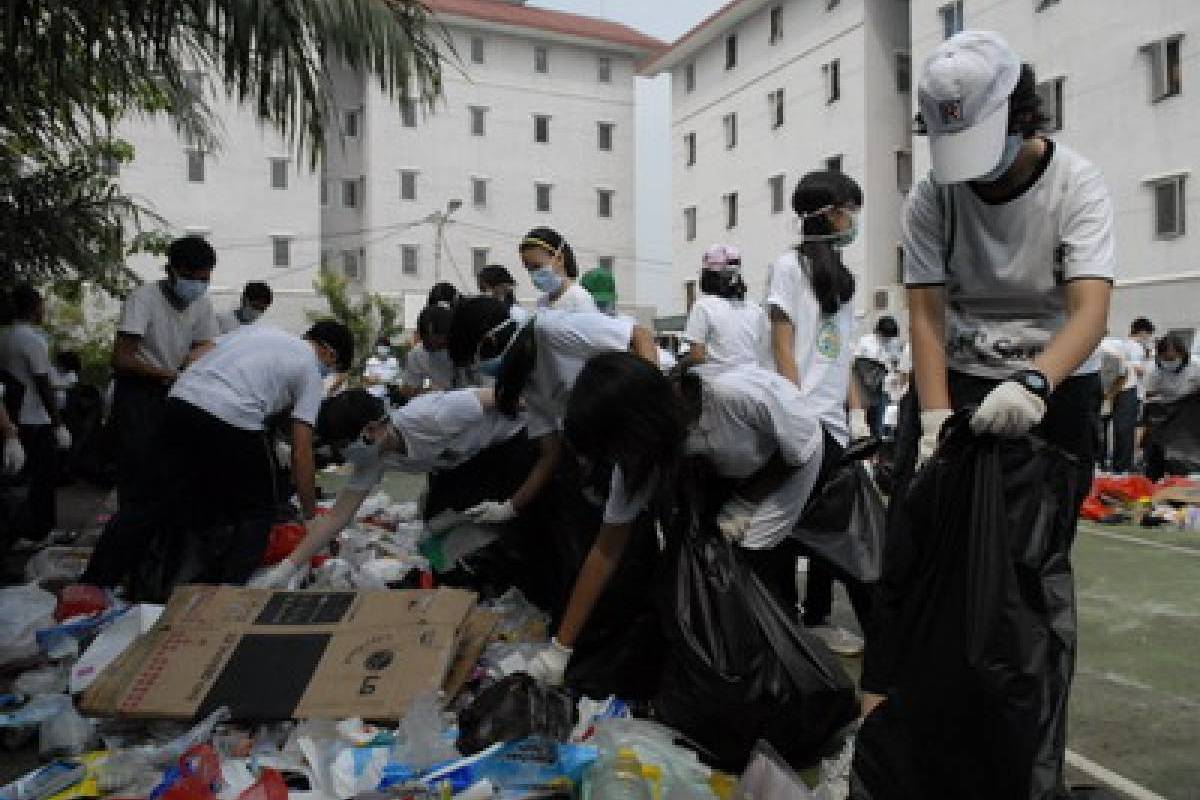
(1110, 119)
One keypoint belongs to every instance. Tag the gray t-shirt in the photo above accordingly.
(1011, 262)
(25, 354)
(166, 333)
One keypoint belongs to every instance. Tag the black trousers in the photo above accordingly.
(1125, 412)
(41, 473)
(137, 414)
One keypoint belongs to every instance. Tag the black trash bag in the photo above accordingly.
(1172, 447)
(514, 708)
(983, 642)
(740, 668)
(844, 522)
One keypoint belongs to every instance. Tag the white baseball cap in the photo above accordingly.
(963, 94)
(722, 256)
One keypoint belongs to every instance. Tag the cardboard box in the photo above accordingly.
(279, 655)
(1178, 495)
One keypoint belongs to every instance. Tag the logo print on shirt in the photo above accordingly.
(829, 339)
(951, 111)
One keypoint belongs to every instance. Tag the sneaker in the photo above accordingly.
(839, 640)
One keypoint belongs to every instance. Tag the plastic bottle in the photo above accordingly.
(622, 779)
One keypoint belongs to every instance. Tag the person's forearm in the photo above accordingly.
(197, 350)
(304, 474)
(783, 347)
(641, 344)
(550, 449)
(853, 394)
(7, 429)
(322, 529)
(928, 328)
(131, 365)
(1087, 315)
(593, 577)
(770, 477)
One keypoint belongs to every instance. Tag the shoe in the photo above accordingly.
(839, 640)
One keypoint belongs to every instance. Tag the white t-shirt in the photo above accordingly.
(732, 331)
(441, 430)
(385, 370)
(887, 351)
(1114, 363)
(252, 375)
(421, 366)
(1167, 386)
(573, 298)
(565, 340)
(1011, 262)
(747, 415)
(166, 332)
(620, 508)
(25, 354)
(1138, 357)
(229, 321)
(823, 349)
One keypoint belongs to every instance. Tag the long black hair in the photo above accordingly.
(551, 241)
(623, 411)
(477, 328)
(725, 283)
(832, 283)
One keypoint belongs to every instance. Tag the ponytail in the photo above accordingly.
(831, 282)
(816, 192)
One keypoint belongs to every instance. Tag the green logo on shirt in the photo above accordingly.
(829, 339)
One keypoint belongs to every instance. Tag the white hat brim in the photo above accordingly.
(970, 153)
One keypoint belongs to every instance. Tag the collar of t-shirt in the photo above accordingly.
(1025, 185)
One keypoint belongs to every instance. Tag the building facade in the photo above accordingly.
(763, 92)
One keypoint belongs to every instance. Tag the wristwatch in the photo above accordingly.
(1033, 380)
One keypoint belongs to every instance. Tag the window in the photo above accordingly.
(605, 263)
(899, 265)
(689, 148)
(1050, 92)
(604, 203)
(350, 124)
(541, 128)
(478, 120)
(1166, 76)
(834, 163)
(351, 265)
(776, 186)
(952, 18)
(904, 171)
(281, 251)
(604, 135)
(731, 51)
(195, 166)
(350, 193)
(832, 72)
(408, 184)
(830, 5)
(881, 299)
(479, 258)
(604, 69)
(1169, 209)
(776, 24)
(479, 192)
(689, 223)
(730, 122)
(542, 200)
(279, 173)
(1042, 5)
(409, 259)
(730, 210)
(476, 49)
(408, 113)
(775, 104)
(689, 77)
(903, 73)
(541, 59)
(324, 192)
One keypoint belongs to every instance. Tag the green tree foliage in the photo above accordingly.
(368, 317)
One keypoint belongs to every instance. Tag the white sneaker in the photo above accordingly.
(839, 640)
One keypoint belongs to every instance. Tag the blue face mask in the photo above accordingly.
(189, 290)
(490, 366)
(324, 369)
(546, 280)
(1012, 148)
(846, 238)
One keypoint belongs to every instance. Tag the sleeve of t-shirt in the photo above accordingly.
(1088, 229)
(922, 230)
(37, 355)
(135, 314)
(697, 326)
(781, 412)
(783, 289)
(205, 328)
(308, 398)
(414, 372)
(602, 332)
(620, 507)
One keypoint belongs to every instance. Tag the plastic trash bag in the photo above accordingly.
(977, 647)
(768, 777)
(65, 734)
(1173, 446)
(514, 708)
(23, 610)
(845, 522)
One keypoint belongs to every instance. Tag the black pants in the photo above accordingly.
(41, 473)
(137, 414)
(1125, 412)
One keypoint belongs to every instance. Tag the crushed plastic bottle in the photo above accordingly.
(621, 779)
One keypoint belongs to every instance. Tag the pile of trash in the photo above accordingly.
(1172, 502)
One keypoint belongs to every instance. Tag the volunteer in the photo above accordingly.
(256, 299)
(1174, 377)
(25, 355)
(428, 367)
(1115, 375)
(217, 495)
(536, 362)
(381, 368)
(442, 293)
(749, 424)
(552, 268)
(601, 285)
(1009, 262)
(877, 360)
(498, 282)
(809, 291)
(434, 432)
(164, 326)
(1140, 345)
(724, 327)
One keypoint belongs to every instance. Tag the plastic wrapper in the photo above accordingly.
(420, 742)
(57, 564)
(80, 599)
(515, 707)
(768, 777)
(23, 610)
(67, 733)
(282, 541)
(39, 709)
(47, 680)
(520, 620)
(681, 772)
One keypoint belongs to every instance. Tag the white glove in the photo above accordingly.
(284, 575)
(62, 437)
(1008, 410)
(931, 428)
(735, 517)
(489, 512)
(283, 453)
(550, 664)
(859, 429)
(14, 455)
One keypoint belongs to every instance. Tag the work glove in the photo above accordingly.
(859, 429)
(14, 455)
(931, 430)
(490, 512)
(62, 437)
(734, 518)
(1009, 410)
(550, 664)
(445, 521)
(283, 453)
(284, 575)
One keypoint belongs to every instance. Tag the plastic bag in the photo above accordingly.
(419, 741)
(282, 541)
(513, 708)
(845, 522)
(23, 609)
(67, 733)
(978, 638)
(57, 564)
(768, 777)
(1173, 447)
(682, 774)
(78, 599)
(47, 680)
(269, 786)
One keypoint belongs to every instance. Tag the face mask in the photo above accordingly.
(846, 238)
(189, 290)
(324, 369)
(1171, 364)
(250, 314)
(546, 280)
(361, 452)
(1012, 147)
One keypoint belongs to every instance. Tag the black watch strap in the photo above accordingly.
(1033, 380)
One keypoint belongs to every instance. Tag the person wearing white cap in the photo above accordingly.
(1009, 262)
(724, 327)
